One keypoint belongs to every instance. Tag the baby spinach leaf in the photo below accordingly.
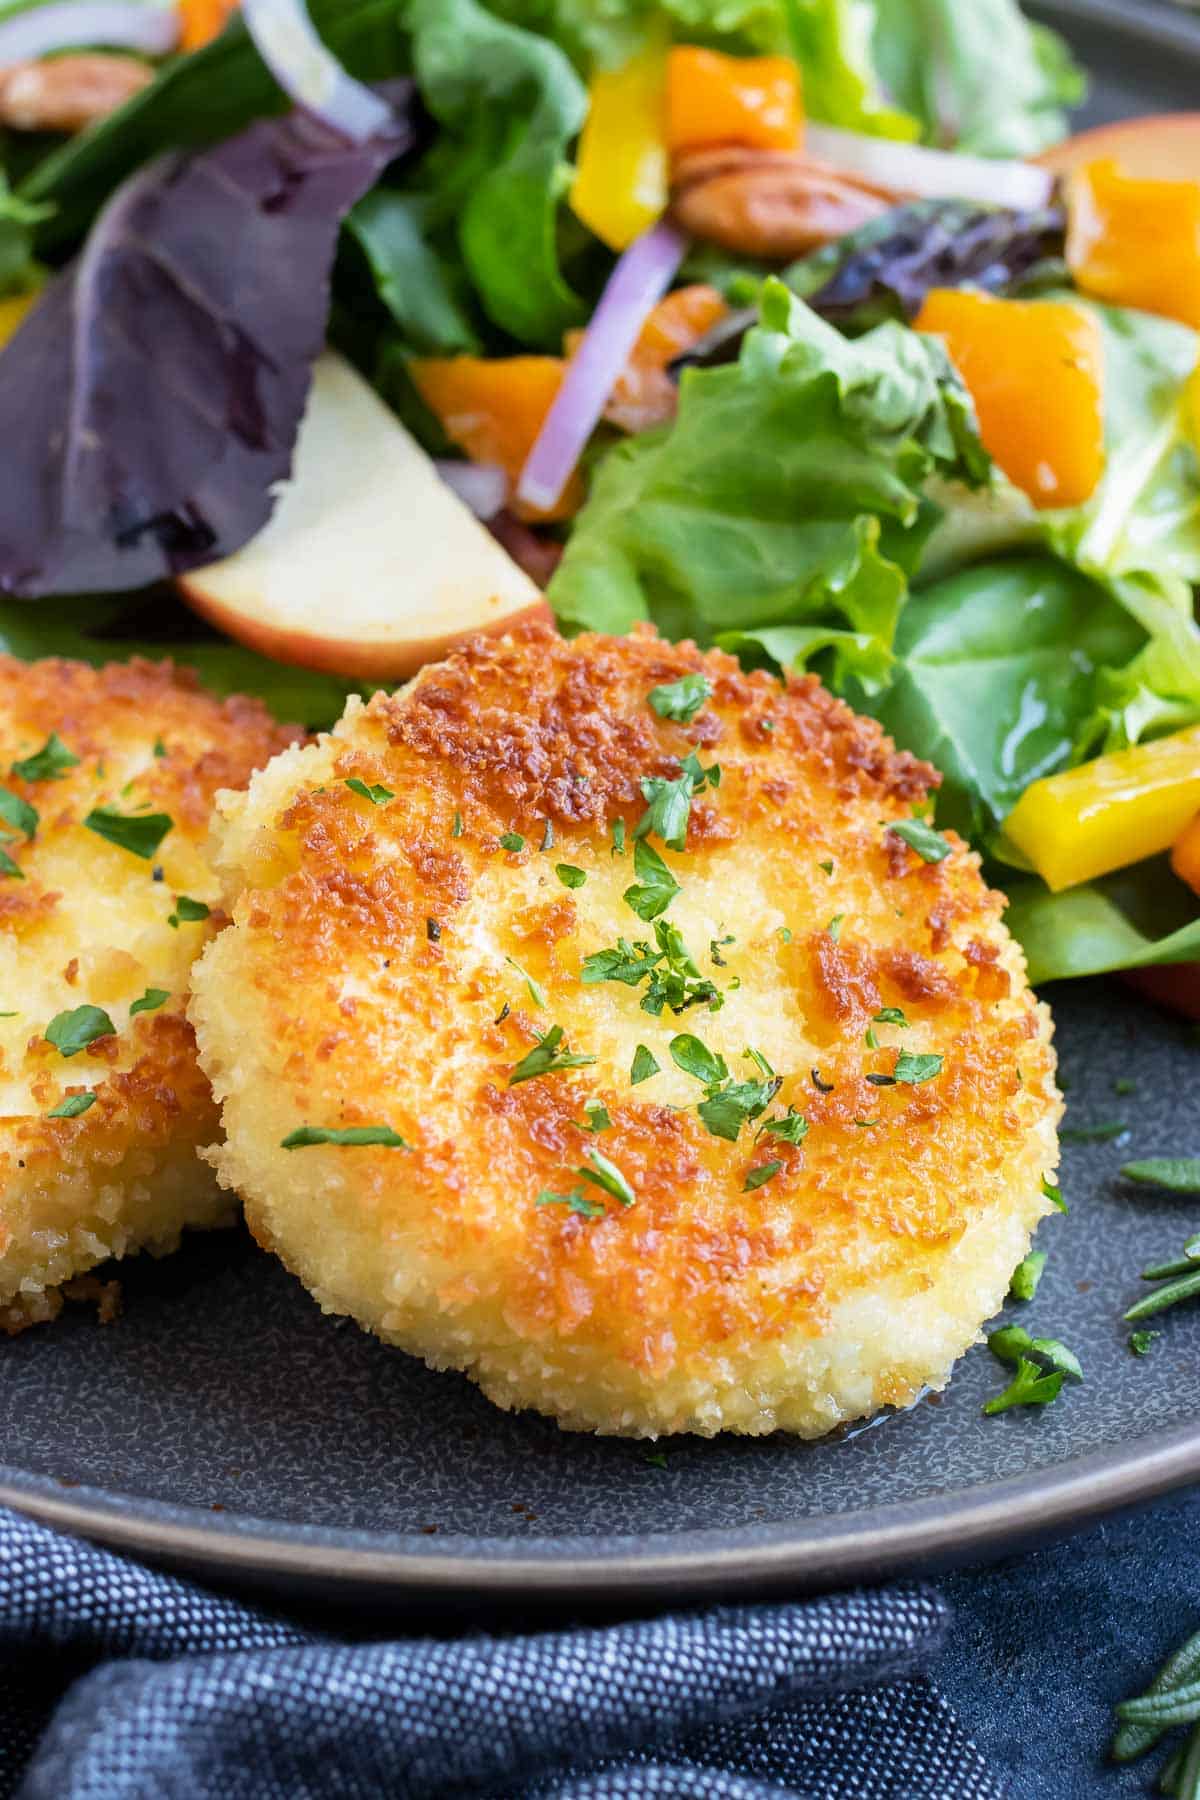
(1136, 919)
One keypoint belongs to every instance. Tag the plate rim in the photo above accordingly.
(941, 1530)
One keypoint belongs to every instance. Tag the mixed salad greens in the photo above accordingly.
(756, 317)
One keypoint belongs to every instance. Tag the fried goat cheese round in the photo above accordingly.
(600, 1020)
(106, 898)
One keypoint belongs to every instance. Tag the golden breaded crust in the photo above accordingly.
(386, 967)
(86, 923)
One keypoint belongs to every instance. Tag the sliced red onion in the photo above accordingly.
(309, 73)
(481, 486)
(636, 285)
(73, 24)
(931, 174)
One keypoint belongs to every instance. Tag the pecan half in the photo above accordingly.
(777, 204)
(67, 93)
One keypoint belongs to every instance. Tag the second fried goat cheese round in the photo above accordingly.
(107, 778)
(607, 1023)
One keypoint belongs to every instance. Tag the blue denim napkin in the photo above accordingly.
(118, 1682)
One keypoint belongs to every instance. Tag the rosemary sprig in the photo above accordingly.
(1142, 1723)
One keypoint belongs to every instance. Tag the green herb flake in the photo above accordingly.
(73, 1105)
(457, 828)
(1140, 1341)
(668, 808)
(1179, 1174)
(870, 1040)
(1012, 1343)
(618, 837)
(644, 1066)
(187, 912)
(784, 934)
(71, 1032)
(598, 1117)
(49, 763)
(697, 1060)
(160, 749)
(512, 840)
(891, 1015)
(827, 866)
(681, 699)
(307, 1135)
(1103, 1133)
(18, 813)
(792, 1128)
(9, 867)
(548, 1057)
(656, 886)
(576, 1202)
(1124, 1087)
(929, 844)
(759, 1176)
(834, 926)
(913, 1070)
(605, 1175)
(378, 796)
(1027, 1275)
(865, 1124)
(569, 875)
(725, 1109)
(1029, 1387)
(140, 835)
(537, 992)
(1054, 1194)
(150, 1001)
(654, 1459)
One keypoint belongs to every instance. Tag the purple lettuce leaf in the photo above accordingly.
(151, 401)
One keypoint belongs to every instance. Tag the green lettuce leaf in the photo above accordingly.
(976, 73)
(102, 631)
(1132, 920)
(788, 493)
(422, 283)
(18, 270)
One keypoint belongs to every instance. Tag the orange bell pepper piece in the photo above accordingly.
(203, 20)
(1185, 857)
(1035, 369)
(644, 394)
(715, 99)
(494, 407)
(1135, 243)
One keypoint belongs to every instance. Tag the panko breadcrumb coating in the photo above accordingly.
(624, 1232)
(98, 1143)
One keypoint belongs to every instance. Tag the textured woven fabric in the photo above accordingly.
(118, 1683)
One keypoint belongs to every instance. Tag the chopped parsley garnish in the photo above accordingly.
(667, 966)
(606, 1176)
(827, 866)
(822, 1087)
(73, 1105)
(625, 962)
(160, 749)
(9, 867)
(656, 886)
(47, 764)
(1180, 1174)
(187, 912)
(1124, 1087)
(792, 1128)
(618, 837)
(71, 1032)
(891, 1015)
(457, 828)
(150, 1001)
(929, 844)
(869, 1039)
(644, 1066)
(725, 1109)
(759, 1176)
(375, 794)
(433, 930)
(351, 1134)
(697, 1060)
(715, 947)
(1054, 1194)
(655, 1459)
(1030, 1386)
(1140, 1341)
(913, 1070)
(18, 813)
(1012, 1343)
(701, 778)
(537, 992)
(1027, 1275)
(784, 934)
(512, 840)
(865, 1124)
(569, 875)
(139, 834)
(1103, 1133)
(547, 842)
(681, 699)
(548, 1058)
(669, 805)
(576, 1201)
(598, 1118)
(834, 926)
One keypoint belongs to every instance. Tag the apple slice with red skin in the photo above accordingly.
(370, 566)
(1165, 147)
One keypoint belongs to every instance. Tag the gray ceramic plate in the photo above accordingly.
(224, 1425)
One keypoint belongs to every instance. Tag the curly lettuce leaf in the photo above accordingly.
(976, 73)
(1137, 919)
(788, 492)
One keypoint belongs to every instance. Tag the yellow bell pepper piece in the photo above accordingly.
(1109, 813)
(12, 311)
(621, 181)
